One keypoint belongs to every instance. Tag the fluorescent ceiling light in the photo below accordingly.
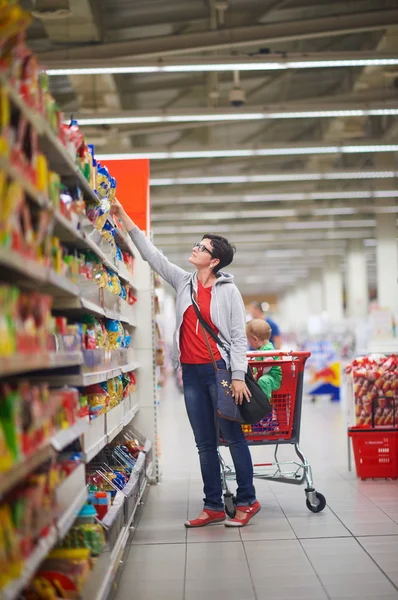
(276, 197)
(204, 64)
(249, 152)
(236, 116)
(271, 177)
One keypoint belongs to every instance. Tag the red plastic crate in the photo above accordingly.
(376, 452)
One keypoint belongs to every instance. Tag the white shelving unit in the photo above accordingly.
(138, 410)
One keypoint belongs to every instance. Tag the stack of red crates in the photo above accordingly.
(375, 436)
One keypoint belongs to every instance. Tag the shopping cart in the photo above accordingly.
(282, 426)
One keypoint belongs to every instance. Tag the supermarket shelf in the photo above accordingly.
(38, 362)
(149, 471)
(132, 366)
(36, 272)
(65, 522)
(95, 449)
(28, 187)
(128, 417)
(22, 469)
(114, 422)
(114, 510)
(45, 545)
(125, 274)
(102, 577)
(34, 118)
(115, 416)
(58, 157)
(147, 446)
(63, 438)
(82, 304)
(103, 435)
(86, 379)
(13, 590)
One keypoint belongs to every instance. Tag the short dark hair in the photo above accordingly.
(222, 250)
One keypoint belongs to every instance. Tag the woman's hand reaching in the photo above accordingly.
(240, 391)
(118, 211)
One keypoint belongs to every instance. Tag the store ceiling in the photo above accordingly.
(281, 233)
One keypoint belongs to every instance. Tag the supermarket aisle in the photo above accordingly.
(348, 551)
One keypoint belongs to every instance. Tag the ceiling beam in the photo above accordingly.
(271, 33)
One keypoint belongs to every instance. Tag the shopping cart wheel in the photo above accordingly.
(230, 504)
(320, 503)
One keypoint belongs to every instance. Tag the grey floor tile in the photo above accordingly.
(361, 597)
(223, 588)
(213, 533)
(293, 592)
(275, 552)
(345, 569)
(273, 529)
(166, 561)
(363, 529)
(165, 535)
(311, 528)
(358, 590)
(151, 590)
(384, 551)
(218, 560)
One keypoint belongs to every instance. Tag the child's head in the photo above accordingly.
(258, 333)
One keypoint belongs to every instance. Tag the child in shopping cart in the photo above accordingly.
(258, 334)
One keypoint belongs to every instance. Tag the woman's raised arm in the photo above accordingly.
(158, 262)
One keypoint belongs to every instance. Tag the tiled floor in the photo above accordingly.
(349, 551)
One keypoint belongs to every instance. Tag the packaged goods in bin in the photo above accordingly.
(375, 384)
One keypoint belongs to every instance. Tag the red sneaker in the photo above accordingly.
(213, 516)
(249, 511)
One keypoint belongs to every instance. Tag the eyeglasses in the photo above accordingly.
(202, 248)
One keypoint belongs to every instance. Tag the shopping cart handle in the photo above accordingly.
(278, 353)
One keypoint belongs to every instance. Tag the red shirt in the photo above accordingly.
(193, 347)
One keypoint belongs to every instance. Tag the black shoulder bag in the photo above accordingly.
(259, 406)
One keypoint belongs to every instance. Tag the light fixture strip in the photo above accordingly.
(238, 116)
(277, 197)
(271, 177)
(254, 64)
(249, 152)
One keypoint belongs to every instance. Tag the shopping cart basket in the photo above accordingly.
(282, 426)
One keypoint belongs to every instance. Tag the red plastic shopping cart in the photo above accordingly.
(281, 426)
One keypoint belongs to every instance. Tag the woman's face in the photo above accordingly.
(202, 255)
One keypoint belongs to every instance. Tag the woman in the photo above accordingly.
(221, 305)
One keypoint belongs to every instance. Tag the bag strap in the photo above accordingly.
(201, 320)
(204, 323)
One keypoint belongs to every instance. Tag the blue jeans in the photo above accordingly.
(201, 401)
